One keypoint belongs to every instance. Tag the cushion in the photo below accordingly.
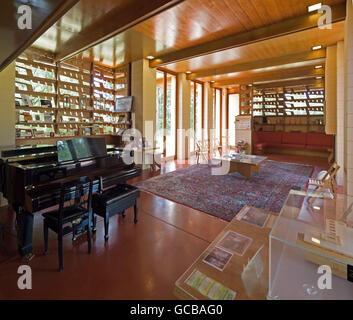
(260, 145)
(320, 139)
(297, 138)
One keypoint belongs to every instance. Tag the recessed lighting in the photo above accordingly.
(150, 57)
(315, 240)
(318, 67)
(316, 48)
(314, 7)
(188, 72)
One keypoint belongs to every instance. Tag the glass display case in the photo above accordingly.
(311, 248)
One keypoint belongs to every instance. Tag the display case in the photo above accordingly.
(312, 231)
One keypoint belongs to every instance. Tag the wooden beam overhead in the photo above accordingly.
(113, 24)
(285, 27)
(272, 76)
(259, 64)
(292, 83)
(23, 39)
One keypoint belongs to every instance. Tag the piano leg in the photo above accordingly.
(24, 225)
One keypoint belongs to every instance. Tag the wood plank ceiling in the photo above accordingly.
(196, 22)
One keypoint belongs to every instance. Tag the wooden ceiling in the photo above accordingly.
(276, 47)
(15, 40)
(181, 25)
(200, 21)
(91, 22)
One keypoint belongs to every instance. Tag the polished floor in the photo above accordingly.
(140, 261)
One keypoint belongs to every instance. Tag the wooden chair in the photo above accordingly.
(77, 212)
(202, 151)
(327, 181)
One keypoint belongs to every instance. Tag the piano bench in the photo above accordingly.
(114, 201)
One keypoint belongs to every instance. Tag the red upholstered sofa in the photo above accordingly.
(293, 140)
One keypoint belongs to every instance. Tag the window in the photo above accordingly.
(166, 113)
(171, 115)
(234, 111)
(217, 110)
(160, 111)
(196, 113)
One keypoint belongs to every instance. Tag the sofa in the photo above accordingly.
(292, 140)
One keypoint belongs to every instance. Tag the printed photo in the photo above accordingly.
(235, 243)
(254, 216)
(218, 258)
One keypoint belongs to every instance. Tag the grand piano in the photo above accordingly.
(30, 176)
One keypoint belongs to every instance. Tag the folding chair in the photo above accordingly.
(327, 181)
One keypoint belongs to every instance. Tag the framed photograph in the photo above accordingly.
(123, 104)
(235, 242)
(218, 258)
(253, 216)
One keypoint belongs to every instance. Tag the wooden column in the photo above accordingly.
(340, 112)
(331, 90)
(349, 100)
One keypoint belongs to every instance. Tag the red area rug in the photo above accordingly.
(224, 196)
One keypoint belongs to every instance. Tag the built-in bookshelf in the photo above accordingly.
(295, 109)
(65, 100)
(246, 99)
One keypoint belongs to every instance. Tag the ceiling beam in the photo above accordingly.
(272, 76)
(308, 21)
(259, 64)
(291, 83)
(114, 23)
(47, 23)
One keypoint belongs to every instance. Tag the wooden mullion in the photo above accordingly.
(221, 117)
(203, 113)
(165, 114)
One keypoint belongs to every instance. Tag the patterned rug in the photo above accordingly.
(224, 196)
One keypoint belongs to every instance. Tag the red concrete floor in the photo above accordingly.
(140, 261)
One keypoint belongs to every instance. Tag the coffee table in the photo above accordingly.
(243, 164)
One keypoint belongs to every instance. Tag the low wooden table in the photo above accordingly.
(235, 276)
(245, 165)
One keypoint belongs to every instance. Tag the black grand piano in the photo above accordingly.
(29, 176)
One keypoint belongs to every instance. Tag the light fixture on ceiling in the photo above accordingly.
(318, 78)
(150, 57)
(213, 81)
(318, 67)
(188, 72)
(314, 7)
(316, 48)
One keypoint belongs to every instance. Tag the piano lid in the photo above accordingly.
(81, 148)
